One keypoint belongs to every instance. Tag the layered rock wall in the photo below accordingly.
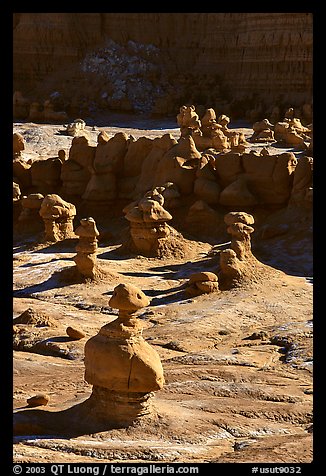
(256, 56)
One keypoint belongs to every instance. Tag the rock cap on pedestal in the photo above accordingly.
(238, 217)
(127, 297)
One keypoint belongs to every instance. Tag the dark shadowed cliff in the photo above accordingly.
(215, 59)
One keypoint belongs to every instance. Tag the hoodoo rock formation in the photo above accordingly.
(148, 219)
(176, 197)
(238, 263)
(58, 216)
(190, 175)
(207, 132)
(290, 132)
(86, 249)
(122, 367)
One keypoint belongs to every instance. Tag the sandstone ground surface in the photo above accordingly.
(237, 364)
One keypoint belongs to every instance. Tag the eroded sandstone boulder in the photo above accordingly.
(301, 193)
(255, 178)
(292, 133)
(18, 144)
(206, 186)
(76, 171)
(74, 333)
(270, 177)
(263, 131)
(136, 153)
(202, 219)
(178, 165)
(147, 178)
(76, 128)
(107, 167)
(238, 193)
(170, 194)
(31, 205)
(22, 173)
(58, 216)
(188, 121)
(202, 283)
(38, 400)
(207, 132)
(45, 175)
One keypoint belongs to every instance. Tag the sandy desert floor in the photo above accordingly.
(237, 364)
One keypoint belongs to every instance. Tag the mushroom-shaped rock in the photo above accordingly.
(263, 131)
(87, 228)
(238, 217)
(122, 367)
(148, 224)
(87, 247)
(127, 297)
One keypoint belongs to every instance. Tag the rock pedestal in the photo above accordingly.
(238, 261)
(87, 247)
(57, 215)
(148, 225)
(122, 367)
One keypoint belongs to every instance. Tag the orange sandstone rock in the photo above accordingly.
(122, 367)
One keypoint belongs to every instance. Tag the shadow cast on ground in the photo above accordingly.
(72, 422)
(58, 279)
